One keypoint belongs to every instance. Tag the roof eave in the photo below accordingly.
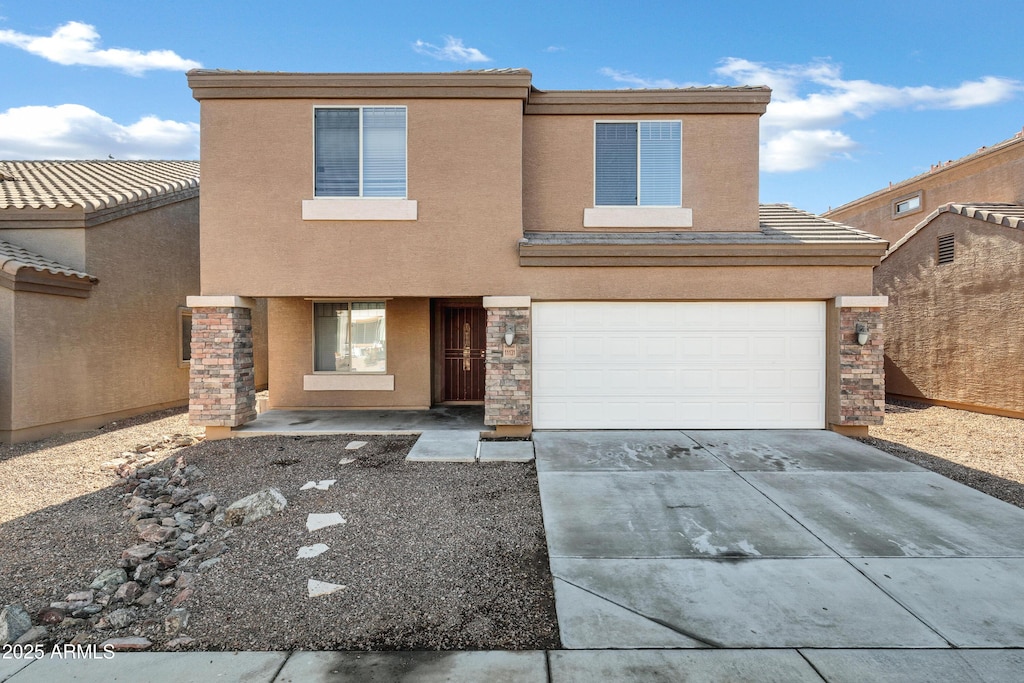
(21, 277)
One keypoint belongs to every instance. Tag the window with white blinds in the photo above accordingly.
(360, 152)
(638, 163)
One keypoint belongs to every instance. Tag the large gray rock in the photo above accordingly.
(109, 580)
(255, 507)
(14, 623)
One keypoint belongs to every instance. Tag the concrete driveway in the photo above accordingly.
(833, 558)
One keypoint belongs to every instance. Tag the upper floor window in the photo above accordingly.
(905, 205)
(638, 163)
(360, 152)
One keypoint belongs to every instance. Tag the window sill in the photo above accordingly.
(340, 382)
(637, 217)
(328, 209)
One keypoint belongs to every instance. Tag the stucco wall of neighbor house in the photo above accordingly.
(409, 357)
(995, 175)
(719, 164)
(954, 332)
(79, 362)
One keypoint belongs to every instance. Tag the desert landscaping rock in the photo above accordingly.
(176, 621)
(32, 635)
(317, 588)
(319, 485)
(255, 507)
(317, 521)
(474, 538)
(309, 551)
(109, 579)
(14, 622)
(346, 461)
(354, 445)
(131, 644)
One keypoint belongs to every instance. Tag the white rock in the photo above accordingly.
(319, 521)
(353, 445)
(321, 485)
(318, 588)
(307, 551)
(308, 485)
(346, 461)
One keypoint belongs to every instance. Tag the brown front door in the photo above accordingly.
(464, 342)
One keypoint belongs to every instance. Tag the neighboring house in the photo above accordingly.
(96, 261)
(953, 276)
(569, 259)
(991, 174)
(954, 330)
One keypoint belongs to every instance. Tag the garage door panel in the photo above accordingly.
(608, 365)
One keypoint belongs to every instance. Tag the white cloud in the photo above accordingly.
(555, 48)
(632, 80)
(810, 102)
(73, 131)
(78, 43)
(453, 51)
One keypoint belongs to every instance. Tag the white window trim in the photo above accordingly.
(325, 385)
(637, 205)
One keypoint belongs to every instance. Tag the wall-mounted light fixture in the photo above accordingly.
(862, 333)
(510, 333)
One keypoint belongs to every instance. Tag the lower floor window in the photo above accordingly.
(349, 337)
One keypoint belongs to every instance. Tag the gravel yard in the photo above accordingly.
(431, 556)
(985, 452)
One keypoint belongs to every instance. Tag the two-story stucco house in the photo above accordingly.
(569, 259)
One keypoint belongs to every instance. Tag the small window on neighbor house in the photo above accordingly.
(908, 205)
(360, 152)
(349, 337)
(946, 249)
(185, 336)
(638, 163)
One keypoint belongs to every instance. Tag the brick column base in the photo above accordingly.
(508, 391)
(861, 368)
(222, 387)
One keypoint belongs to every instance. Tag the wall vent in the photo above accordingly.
(945, 249)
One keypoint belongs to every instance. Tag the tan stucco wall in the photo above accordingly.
(996, 176)
(408, 357)
(720, 176)
(117, 350)
(954, 332)
(64, 245)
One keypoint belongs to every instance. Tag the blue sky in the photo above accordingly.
(864, 93)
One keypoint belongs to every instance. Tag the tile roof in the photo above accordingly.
(1007, 215)
(92, 185)
(13, 258)
(780, 224)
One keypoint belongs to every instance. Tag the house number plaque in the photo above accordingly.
(510, 351)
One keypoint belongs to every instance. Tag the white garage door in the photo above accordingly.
(675, 365)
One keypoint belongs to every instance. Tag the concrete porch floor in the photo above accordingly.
(446, 433)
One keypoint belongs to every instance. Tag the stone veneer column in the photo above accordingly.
(508, 390)
(222, 386)
(861, 400)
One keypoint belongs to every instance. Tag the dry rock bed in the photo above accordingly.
(282, 543)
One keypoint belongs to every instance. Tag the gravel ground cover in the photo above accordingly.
(431, 556)
(985, 452)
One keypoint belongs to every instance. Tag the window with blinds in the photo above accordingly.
(638, 163)
(360, 152)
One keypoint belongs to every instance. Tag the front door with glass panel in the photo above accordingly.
(464, 342)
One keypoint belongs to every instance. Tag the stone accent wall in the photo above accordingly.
(508, 386)
(861, 369)
(222, 387)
